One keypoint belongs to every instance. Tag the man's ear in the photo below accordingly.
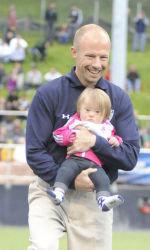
(73, 52)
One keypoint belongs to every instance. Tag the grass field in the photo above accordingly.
(15, 238)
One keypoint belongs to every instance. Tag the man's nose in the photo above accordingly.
(97, 62)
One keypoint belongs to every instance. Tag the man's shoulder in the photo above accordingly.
(55, 85)
(114, 90)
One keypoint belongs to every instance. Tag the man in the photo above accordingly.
(51, 19)
(86, 226)
(133, 79)
(139, 36)
(75, 20)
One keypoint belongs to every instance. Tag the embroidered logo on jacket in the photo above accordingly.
(65, 116)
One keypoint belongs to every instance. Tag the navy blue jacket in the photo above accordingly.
(140, 26)
(52, 106)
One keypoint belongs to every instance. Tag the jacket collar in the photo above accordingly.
(75, 82)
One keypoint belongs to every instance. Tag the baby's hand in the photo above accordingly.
(78, 127)
(113, 141)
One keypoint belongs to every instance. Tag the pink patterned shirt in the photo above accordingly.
(65, 135)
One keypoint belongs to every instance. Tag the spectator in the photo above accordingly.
(33, 78)
(9, 35)
(19, 75)
(147, 137)
(12, 18)
(142, 133)
(12, 101)
(144, 205)
(39, 51)
(52, 74)
(11, 82)
(141, 137)
(5, 51)
(133, 80)
(18, 49)
(16, 132)
(23, 102)
(139, 38)
(2, 75)
(75, 20)
(107, 74)
(50, 18)
(62, 34)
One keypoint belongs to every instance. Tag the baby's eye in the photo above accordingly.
(87, 110)
(97, 112)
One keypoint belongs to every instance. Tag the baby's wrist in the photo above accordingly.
(93, 140)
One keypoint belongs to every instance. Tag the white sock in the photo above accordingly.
(59, 193)
(107, 203)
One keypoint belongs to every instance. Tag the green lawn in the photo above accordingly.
(16, 238)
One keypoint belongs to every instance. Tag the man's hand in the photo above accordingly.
(83, 142)
(83, 182)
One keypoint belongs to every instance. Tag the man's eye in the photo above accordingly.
(90, 56)
(104, 59)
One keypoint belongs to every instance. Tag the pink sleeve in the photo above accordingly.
(64, 136)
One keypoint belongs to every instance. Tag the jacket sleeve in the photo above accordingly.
(125, 156)
(38, 134)
(64, 136)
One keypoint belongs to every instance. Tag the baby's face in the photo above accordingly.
(92, 113)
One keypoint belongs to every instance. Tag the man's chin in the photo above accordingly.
(90, 84)
(92, 81)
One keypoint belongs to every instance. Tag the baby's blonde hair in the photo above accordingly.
(96, 97)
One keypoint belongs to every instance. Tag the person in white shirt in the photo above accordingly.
(4, 51)
(33, 78)
(18, 49)
(52, 74)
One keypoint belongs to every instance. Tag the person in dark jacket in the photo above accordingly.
(39, 51)
(52, 106)
(133, 79)
(51, 19)
(139, 37)
(75, 20)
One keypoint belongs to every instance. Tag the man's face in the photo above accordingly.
(92, 57)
